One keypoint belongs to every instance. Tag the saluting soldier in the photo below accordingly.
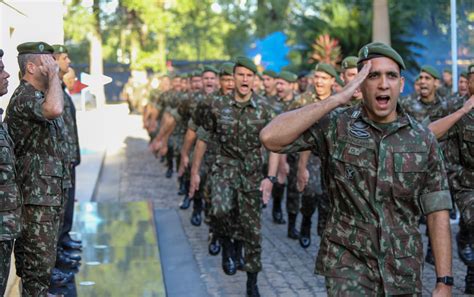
(10, 210)
(33, 118)
(383, 171)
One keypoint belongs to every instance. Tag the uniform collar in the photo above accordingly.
(358, 112)
(252, 101)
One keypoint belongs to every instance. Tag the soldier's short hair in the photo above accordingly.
(23, 60)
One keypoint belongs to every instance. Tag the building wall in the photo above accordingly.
(42, 21)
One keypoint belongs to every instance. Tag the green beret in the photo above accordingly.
(379, 49)
(210, 69)
(417, 77)
(59, 49)
(259, 74)
(288, 76)
(430, 70)
(227, 69)
(463, 74)
(349, 62)
(247, 63)
(448, 70)
(196, 73)
(34, 48)
(1, 53)
(326, 68)
(339, 81)
(470, 69)
(270, 73)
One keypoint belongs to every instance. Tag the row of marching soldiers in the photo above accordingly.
(205, 109)
(39, 152)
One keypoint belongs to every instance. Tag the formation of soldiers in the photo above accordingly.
(39, 152)
(373, 163)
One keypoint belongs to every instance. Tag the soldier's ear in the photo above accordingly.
(437, 83)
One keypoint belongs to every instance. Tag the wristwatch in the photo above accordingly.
(447, 280)
(273, 179)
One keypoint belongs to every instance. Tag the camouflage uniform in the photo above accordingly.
(167, 99)
(40, 173)
(381, 179)
(460, 160)
(72, 158)
(10, 205)
(236, 174)
(427, 112)
(315, 193)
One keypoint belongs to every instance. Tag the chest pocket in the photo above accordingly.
(252, 132)
(410, 164)
(226, 129)
(353, 161)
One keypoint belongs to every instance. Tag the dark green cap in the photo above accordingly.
(196, 73)
(227, 69)
(208, 68)
(259, 74)
(463, 74)
(339, 81)
(246, 62)
(470, 69)
(430, 70)
(448, 70)
(349, 62)
(417, 77)
(288, 76)
(59, 49)
(377, 50)
(270, 73)
(1, 53)
(183, 75)
(34, 48)
(326, 68)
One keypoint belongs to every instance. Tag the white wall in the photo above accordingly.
(43, 22)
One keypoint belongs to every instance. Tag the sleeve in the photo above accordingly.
(452, 155)
(435, 195)
(203, 134)
(31, 108)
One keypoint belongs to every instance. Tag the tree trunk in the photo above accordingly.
(381, 22)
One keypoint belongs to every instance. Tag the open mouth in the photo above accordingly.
(382, 100)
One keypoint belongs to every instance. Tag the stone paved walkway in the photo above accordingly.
(287, 268)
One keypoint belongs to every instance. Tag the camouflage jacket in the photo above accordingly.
(73, 155)
(380, 181)
(304, 99)
(426, 113)
(37, 147)
(279, 105)
(460, 155)
(10, 196)
(236, 127)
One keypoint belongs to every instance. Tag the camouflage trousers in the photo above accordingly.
(6, 248)
(340, 287)
(35, 249)
(236, 214)
(62, 211)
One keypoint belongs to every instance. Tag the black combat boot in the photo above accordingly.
(252, 288)
(429, 255)
(185, 203)
(277, 194)
(305, 232)
(465, 242)
(239, 255)
(469, 280)
(228, 263)
(292, 232)
(182, 186)
(214, 247)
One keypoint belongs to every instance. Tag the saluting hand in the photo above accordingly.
(353, 85)
(48, 66)
(468, 105)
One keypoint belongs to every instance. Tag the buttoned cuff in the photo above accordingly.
(435, 201)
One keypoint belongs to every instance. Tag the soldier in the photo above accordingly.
(285, 96)
(235, 121)
(10, 211)
(72, 159)
(33, 118)
(258, 84)
(349, 72)
(308, 166)
(269, 84)
(446, 88)
(460, 160)
(302, 82)
(383, 171)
